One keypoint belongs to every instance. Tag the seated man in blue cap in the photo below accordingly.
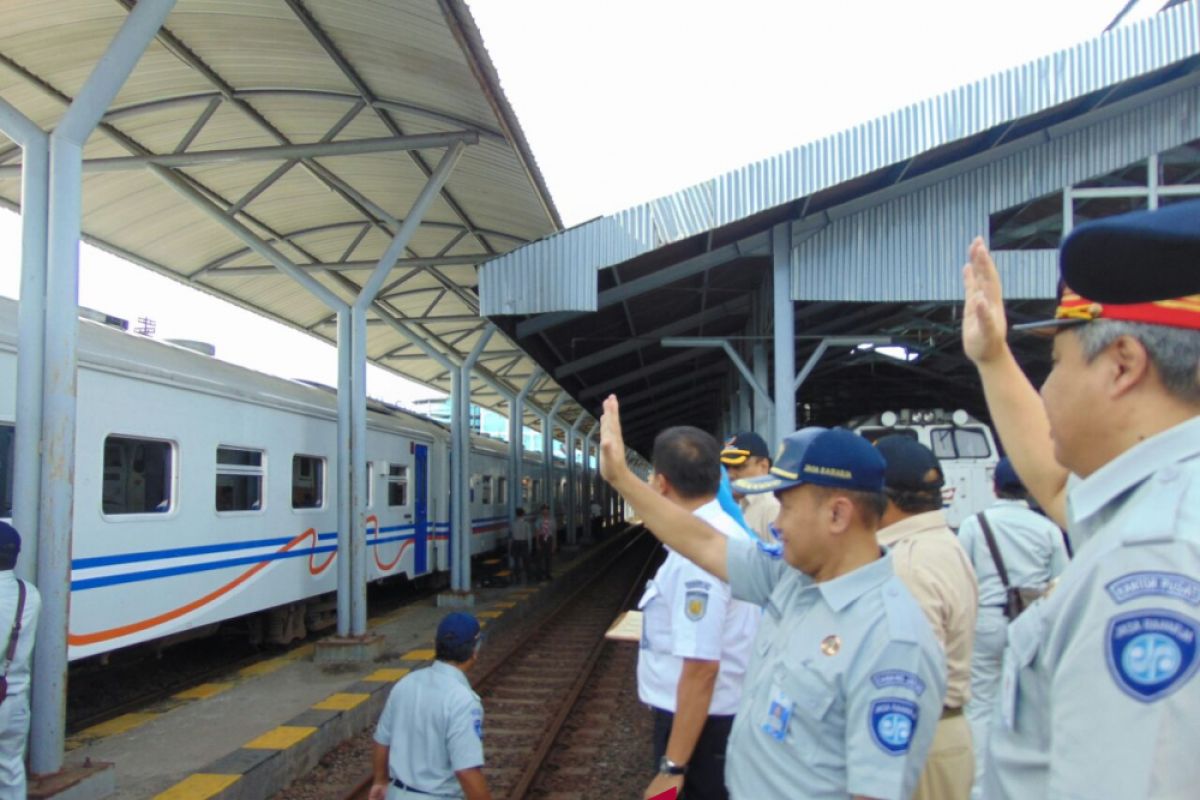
(846, 681)
(1029, 548)
(19, 606)
(1099, 693)
(429, 740)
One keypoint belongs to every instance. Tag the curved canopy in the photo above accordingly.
(314, 124)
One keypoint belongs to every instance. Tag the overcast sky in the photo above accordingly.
(627, 100)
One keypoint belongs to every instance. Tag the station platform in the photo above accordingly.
(250, 734)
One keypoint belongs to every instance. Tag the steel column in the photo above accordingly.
(784, 318)
(548, 452)
(460, 421)
(572, 475)
(345, 467)
(763, 418)
(59, 387)
(31, 341)
(516, 446)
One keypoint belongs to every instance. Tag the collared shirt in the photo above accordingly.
(845, 687)
(934, 567)
(433, 723)
(1031, 546)
(688, 613)
(760, 510)
(1099, 695)
(18, 671)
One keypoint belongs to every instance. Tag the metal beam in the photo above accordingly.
(468, 260)
(834, 341)
(609, 353)
(701, 341)
(598, 389)
(656, 280)
(351, 147)
(659, 387)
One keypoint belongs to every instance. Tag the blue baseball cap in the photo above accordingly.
(10, 540)
(911, 466)
(1005, 477)
(833, 457)
(457, 628)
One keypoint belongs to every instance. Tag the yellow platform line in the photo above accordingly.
(387, 675)
(342, 701)
(280, 738)
(505, 604)
(203, 691)
(199, 786)
(121, 724)
(425, 654)
(489, 614)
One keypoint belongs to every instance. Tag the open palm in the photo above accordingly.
(984, 326)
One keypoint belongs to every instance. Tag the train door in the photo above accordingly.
(421, 506)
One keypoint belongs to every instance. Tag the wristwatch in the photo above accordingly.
(668, 767)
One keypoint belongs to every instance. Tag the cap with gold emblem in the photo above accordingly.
(833, 457)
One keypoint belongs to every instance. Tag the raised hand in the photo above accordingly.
(984, 326)
(612, 445)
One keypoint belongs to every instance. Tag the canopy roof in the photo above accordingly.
(379, 89)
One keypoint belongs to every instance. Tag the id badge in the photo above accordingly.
(779, 713)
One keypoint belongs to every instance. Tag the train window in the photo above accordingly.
(502, 490)
(8, 435)
(485, 483)
(308, 482)
(137, 476)
(959, 443)
(397, 484)
(370, 484)
(239, 479)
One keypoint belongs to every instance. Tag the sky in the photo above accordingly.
(628, 100)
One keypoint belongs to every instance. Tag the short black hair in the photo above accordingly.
(689, 459)
(8, 559)
(913, 502)
(455, 653)
(520, 512)
(1011, 492)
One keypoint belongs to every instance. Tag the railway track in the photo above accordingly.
(529, 691)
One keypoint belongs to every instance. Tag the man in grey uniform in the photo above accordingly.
(846, 681)
(1033, 552)
(1098, 693)
(429, 740)
(19, 607)
(746, 456)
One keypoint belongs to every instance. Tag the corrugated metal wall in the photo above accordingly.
(911, 248)
(558, 274)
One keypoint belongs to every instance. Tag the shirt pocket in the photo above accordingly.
(1024, 643)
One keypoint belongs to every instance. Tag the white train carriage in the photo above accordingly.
(206, 492)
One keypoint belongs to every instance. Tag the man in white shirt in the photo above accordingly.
(746, 456)
(19, 607)
(696, 640)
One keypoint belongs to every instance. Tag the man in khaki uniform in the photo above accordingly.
(746, 456)
(935, 568)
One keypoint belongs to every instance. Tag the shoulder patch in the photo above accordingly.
(1151, 652)
(695, 601)
(773, 549)
(477, 721)
(901, 621)
(899, 677)
(1161, 584)
(893, 722)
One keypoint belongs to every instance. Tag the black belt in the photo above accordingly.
(399, 784)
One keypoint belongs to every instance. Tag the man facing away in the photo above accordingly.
(1099, 695)
(695, 638)
(846, 680)
(746, 456)
(429, 740)
(518, 548)
(1033, 552)
(545, 542)
(19, 607)
(934, 567)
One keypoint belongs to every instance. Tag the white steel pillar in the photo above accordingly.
(516, 447)
(548, 453)
(784, 320)
(31, 335)
(61, 328)
(572, 479)
(460, 422)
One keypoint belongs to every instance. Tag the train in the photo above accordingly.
(205, 494)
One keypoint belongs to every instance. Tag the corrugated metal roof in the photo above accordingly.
(558, 273)
(270, 72)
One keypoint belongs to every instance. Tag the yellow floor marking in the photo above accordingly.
(341, 701)
(385, 675)
(263, 667)
(505, 604)
(488, 614)
(281, 738)
(198, 787)
(492, 561)
(301, 652)
(121, 724)
(418, 655)
(203, 691)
